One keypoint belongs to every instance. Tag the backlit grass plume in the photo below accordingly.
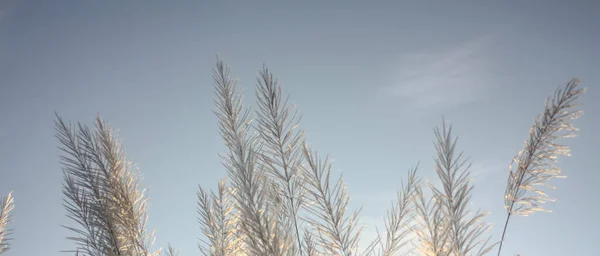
(337, 230)
(6, 207)
(446, 225)
(252, 189)
(535, 164)
(281, 151)
(102, 194)
(171, 251)
(432, 229)
(220, 223)
(464, 228)
(399, 220)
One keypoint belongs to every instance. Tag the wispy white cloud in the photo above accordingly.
(443, 79)
(482, 171)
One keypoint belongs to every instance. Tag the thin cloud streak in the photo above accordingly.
(430, 80)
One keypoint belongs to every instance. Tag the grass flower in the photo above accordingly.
(535, 164)
(102, 193)
(7, 205)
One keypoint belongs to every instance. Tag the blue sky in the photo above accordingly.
(371, 79)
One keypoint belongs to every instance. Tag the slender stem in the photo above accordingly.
(504, 231)
(532, 151)
(297, 230)
(512, 204)
(289, 189)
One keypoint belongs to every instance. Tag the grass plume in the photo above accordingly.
(219, 222)
(7, 205)
(252, 189)
(398, 221)
(171, 251)
(464, 229)
(535, 164)
(337, 231)
(281, 149)
(102, 193)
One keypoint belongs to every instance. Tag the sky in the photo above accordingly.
(370, 78)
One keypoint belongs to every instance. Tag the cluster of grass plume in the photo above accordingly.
(280, 198)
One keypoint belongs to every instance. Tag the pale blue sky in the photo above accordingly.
(371, 79)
